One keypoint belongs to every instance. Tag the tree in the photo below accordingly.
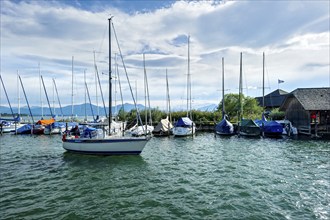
(251, 109)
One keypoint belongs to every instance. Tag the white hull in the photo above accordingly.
(10, 128)
(105, 146)
(140, 130)
(183, 131)
(54, 130)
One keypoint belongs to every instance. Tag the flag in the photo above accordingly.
(280, 81)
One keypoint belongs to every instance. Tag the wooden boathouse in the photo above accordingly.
(308, 109)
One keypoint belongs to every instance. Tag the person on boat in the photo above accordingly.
(75, 131)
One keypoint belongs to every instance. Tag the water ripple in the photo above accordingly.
(201, 177)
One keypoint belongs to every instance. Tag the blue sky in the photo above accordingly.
(293, 34)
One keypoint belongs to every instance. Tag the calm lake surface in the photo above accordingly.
(204, 177)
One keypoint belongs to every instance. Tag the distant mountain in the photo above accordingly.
(208, 108)
(79, 110)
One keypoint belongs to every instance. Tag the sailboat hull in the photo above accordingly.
(183, 131)
(106, 146)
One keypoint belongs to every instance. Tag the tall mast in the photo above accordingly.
(263, 81)
(42, 109)
(72, 91)
(18, 96)
(223, 87)
(188, 79)
(240, 90)
(85, 96)
(4, 88)
(145, 92)
(58, 98)
(50, 109)
(110, 78)
(27, 102)
(96, 75)
(168, 104)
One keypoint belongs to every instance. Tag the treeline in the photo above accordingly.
(250, 106)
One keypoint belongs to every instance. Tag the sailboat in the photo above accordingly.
(147, 128)
(185, 126)
(164, 127)
(268, 128)
(27, 128)
(246, 127)
(8, 125)
(108, 144)
(224, 127)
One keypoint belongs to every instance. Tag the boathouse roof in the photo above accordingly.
(273, 99)
(310, 98)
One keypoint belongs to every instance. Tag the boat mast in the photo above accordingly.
(145, 94)
(85, 97)
(27, 102)
(72, 92)
(110, 78)
(188, 79)
(42, 109)
(223, 88)
(18, 96)
(3, 85)
(263, 82)
(50, 109)
(58, 98)
(240, 90)
(96, 93)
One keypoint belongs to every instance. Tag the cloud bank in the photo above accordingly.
(293, 34)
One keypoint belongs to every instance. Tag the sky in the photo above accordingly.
(57, 38)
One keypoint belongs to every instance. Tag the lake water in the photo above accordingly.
(204, 177)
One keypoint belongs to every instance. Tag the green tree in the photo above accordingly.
(251, 109)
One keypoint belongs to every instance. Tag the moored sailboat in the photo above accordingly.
(246, 127)
(164, 127)
(185, 126)
(224, 127)
(108, 144)
(268, 128)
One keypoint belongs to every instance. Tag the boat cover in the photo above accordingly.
(164, 125)
(225, 127)
(45, 121)
(248, 123)
(24, 129)
(184, 122)
(270, 126)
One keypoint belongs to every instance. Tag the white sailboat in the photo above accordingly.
(108, 144)
(164, 127)
(147, 128)
(185, 126)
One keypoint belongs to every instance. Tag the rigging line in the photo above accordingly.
(12, 112)
(98, 78)
(50, 109)
(58, 98)
(129, 83)
(147, 92)
(121, 93)
(90, 102)
(102, 41)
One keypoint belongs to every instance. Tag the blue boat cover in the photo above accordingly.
(184, 122)
(269, 126)
(24, 129)
(225, 127)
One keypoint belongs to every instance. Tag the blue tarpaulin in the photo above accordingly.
(224, 127)
(184, 122)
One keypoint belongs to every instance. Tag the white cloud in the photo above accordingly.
(293, 34)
